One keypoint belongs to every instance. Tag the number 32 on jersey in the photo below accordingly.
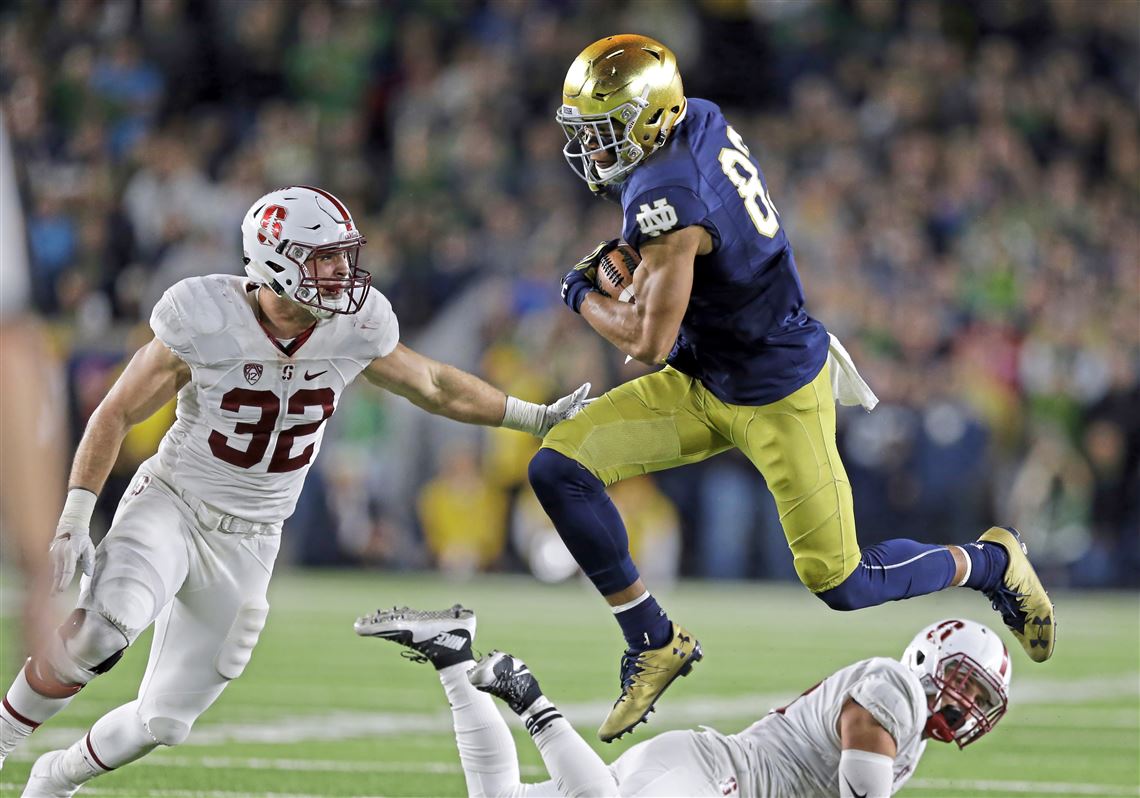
(739, 169)
(261, 431)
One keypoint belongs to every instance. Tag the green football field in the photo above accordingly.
(320, 712)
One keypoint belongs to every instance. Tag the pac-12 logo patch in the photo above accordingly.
(654, 221)
(252, 372)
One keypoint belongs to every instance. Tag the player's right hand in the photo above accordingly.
(583, 278)
(72, 544)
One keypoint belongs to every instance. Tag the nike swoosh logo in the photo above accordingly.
(309, 376)
(856, 794)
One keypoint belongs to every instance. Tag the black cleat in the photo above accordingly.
(508, 678)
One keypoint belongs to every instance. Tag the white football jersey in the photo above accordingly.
(251, 419)
(793, 752)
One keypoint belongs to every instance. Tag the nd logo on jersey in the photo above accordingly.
(658, 219)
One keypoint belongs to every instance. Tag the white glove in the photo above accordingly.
(72, 542)
(538, 419)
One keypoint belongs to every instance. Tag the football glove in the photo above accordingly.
(583, 278)
(72, 544)
(538, 419)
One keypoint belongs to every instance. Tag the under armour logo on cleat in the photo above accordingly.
(1039, 625)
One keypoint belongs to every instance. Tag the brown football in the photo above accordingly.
(615, 272)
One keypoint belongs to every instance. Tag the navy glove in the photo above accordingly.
(583, 278)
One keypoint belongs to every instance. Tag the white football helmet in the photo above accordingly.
(287, 227)
(965, 670)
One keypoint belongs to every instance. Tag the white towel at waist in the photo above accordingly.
(847, 386)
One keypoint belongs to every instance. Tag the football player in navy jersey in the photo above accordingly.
(719, 302)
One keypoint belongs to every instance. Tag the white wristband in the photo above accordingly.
(78, 507)
(524, 416)
(865, 774)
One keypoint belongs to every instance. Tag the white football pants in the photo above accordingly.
(205, 592)
(672, 764)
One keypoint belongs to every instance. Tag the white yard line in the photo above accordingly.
(971, 787)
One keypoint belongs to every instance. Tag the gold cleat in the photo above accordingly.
(1021, 599)
(644, 677)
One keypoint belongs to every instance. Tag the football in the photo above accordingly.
(615, 272)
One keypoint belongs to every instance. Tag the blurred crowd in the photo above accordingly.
(960, 182)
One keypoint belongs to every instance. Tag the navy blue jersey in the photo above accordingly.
(745, 334)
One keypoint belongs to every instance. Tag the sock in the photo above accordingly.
(643, 622)
(893, 570)
(585, 518)
(117, 738)
(988, 562)
(79, 764)
(575, 766)
(22, 711)
(486, 748)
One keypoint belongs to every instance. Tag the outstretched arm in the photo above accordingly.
(447, 391)
(662, 282)
(437, 387)
(866, 766)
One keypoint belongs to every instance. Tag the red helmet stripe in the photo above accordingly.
(1004, 662)
(336, 204)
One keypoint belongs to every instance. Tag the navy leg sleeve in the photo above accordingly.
(892, 570)
(585, 518)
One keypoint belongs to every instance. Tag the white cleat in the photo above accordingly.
(441, 637)
(47, 779)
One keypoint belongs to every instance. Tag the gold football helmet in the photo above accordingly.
(621, 98)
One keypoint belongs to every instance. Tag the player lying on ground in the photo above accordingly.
(859, 732)
(258, 364)
(718, 300)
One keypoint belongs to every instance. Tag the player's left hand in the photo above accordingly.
(72, 547)
(565, 408)
(583, 278)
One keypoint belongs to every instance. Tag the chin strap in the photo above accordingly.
(941, 725)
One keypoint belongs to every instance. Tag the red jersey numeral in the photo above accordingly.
(261, 431)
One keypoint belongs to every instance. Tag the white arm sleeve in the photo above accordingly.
(865, 775)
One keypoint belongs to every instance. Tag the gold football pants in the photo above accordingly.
(668, 418)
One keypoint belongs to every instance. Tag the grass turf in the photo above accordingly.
(320, 712)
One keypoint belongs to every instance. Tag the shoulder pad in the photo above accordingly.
(660, 210)
(376, 323)
(196, 317)
(891, 694)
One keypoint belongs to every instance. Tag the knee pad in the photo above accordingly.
(551, 472)
(850, 594)
(237, 648)
(86, 645)
(126, 589)
(167, 731)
